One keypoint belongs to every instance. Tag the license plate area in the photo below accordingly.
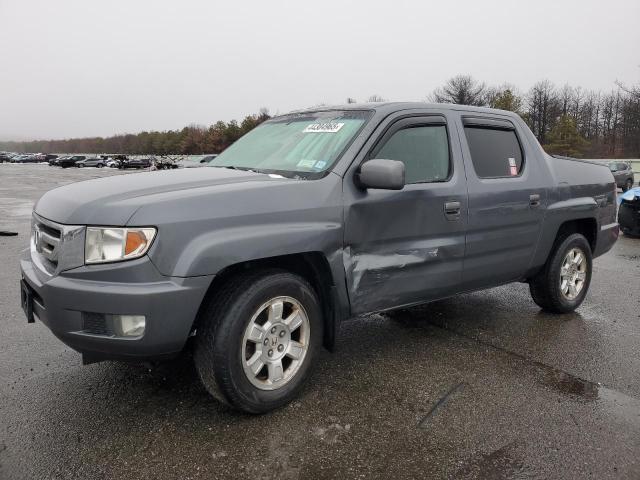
(26, 299)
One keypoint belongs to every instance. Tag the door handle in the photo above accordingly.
(452, 209)
(534, 200)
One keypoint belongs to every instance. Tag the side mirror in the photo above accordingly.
(382, 174)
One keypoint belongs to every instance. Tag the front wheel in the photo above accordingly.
(257, 340)
(628, 185)
(560, 287)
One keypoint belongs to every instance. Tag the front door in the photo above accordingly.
(406, 247)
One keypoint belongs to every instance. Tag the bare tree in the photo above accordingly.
(544, 108)
(463, 90)
(375, 98)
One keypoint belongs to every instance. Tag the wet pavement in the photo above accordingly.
(483, 385)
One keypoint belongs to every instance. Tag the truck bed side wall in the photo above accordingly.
(584, 190)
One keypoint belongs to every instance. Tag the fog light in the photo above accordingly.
(128, 325)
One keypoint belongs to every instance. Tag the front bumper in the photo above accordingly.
(68, 303)
(629, 217)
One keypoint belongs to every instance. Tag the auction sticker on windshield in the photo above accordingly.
(323, 127)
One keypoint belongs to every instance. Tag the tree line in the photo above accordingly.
(193, 139)
(566, 120)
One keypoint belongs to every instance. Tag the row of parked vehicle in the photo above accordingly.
(9, 157)
(110, 161)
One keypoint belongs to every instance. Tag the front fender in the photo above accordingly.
(212, 252)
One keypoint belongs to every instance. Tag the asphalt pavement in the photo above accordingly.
(483, 385)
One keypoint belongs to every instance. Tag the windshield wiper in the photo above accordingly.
(233, 167)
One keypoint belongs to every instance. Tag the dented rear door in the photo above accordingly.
(406, 247)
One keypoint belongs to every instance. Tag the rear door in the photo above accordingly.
(507, 200)
(405, 247)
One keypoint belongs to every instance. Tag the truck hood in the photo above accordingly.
(113, 200)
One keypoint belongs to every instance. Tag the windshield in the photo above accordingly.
(304, 144)
(613, 167)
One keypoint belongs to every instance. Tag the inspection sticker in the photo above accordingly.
(330, 127)
(304, 163)
(512, 162)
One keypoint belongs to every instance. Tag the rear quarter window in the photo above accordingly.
(495, 153)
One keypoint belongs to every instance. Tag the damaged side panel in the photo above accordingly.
(405, 247)
(413, 272)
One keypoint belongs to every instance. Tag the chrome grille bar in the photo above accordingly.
(56, 247)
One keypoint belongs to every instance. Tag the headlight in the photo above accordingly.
(116, 244)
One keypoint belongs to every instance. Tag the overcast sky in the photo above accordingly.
(72, 68)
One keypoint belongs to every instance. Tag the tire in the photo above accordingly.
(547, 287)
(100, 165)
(223, 351)
(628, 185)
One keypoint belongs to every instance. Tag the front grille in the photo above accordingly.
(47, 241)
(46, 237)
(56, 247)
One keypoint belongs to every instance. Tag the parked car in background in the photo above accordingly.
(27, 158)
(629, 212)
(165, 163)
(70, 161)
(5, 157)
(195, 161)
(136, 163)
(623, 174)
(91, 162)
(259, 257)
(114, 161)
(54, 161)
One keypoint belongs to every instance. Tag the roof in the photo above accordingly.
(388, 107)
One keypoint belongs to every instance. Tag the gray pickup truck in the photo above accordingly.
(309, 219)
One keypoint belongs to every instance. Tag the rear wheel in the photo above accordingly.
(560, 287)
(257, 340)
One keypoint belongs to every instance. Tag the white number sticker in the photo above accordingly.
(323, 127)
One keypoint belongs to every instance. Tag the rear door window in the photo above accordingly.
(495, 153)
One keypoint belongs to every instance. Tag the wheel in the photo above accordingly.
(80, 165)
(560, 287)
(628, 185)
(100, 165)
(257, 339)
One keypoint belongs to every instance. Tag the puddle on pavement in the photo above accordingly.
(503, 463)
(617, 405)
(570, 385)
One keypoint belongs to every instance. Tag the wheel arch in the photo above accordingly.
(587, 227)
(312, 266)
(557, 229)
